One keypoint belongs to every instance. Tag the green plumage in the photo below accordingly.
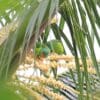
(45, 51)
(41, 50)
(52, 46)
(56, 46)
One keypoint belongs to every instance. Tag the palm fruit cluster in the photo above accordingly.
(43, 50)
(56, 46)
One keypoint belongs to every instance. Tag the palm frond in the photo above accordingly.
(26, 22)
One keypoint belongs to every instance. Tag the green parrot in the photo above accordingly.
(56, 46)
(41, 50)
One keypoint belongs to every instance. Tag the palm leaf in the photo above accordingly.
(30, 20)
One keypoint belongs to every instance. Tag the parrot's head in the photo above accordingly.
(41, 50)
(45, 51)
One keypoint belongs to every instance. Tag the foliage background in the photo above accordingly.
(24, 22)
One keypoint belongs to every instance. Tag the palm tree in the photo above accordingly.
(24, 22)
